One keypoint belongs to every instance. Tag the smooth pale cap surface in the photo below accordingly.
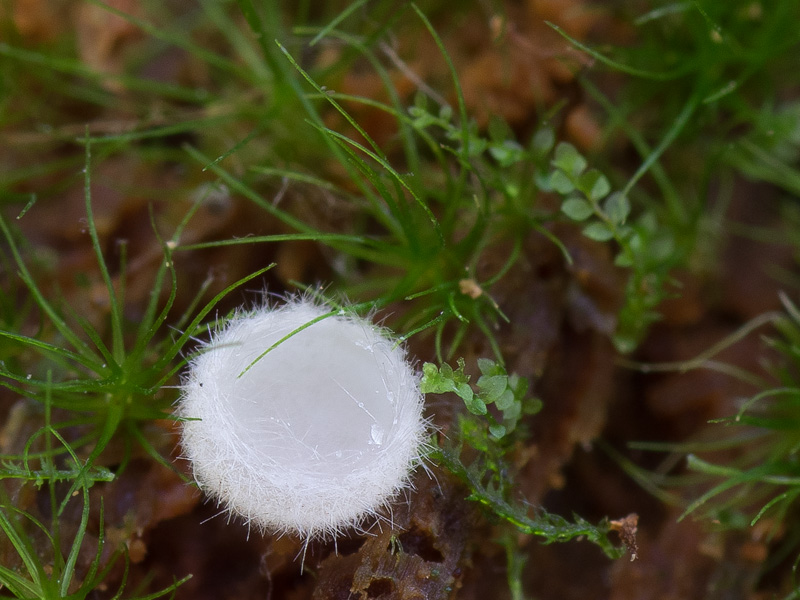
(317, 434)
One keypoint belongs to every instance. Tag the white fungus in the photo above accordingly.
(317, 435)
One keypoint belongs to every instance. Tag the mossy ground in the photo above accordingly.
(571, 202)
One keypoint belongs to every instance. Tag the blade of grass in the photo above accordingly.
(117, 343)
(178, 345)
(462, 105)
(655, 75)
(239, 186)
(23, 547)
(69, 568)
(42, 346)
(87, 356)
(677, 126)
(243, 47)
(179, 41)
(338, 19)
(73, 67)
(398, 178)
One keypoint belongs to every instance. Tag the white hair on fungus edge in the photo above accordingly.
(302, 424)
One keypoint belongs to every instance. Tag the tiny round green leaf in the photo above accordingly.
(577, 208)
(561, 183)
(599, 232)
(569, 160)
(617, 208)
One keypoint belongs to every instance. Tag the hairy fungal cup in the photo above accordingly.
(302, 424)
